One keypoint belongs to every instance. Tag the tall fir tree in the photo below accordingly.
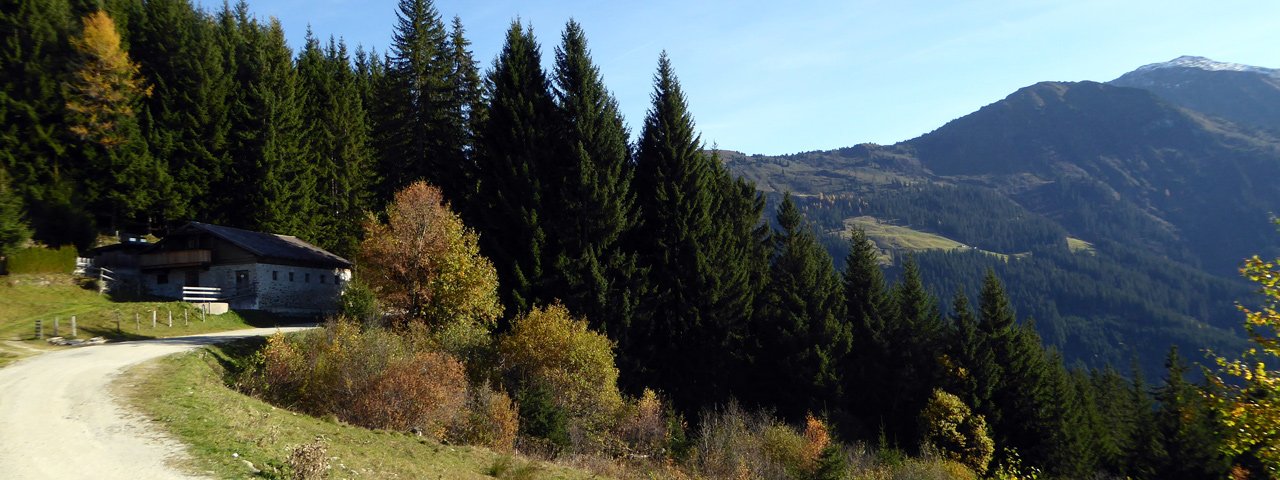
(518, 145)
(1185, 422)
(594, 274)
(35, 145)
(801, 327)
(338, 142)
(914, 337)
(185, 120)
(869, 308)
(415, 126)
(973, 368)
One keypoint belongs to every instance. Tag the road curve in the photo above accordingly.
(58, 419)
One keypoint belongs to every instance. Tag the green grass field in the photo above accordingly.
(897, 238)
(1077, 245)
(187, 396)
(27, 298)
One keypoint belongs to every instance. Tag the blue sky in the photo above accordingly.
(783, 77)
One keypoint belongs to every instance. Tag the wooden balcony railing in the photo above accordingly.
(176, 258)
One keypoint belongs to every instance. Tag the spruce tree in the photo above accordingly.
(518, 146)
(413, 120)
(186, 124)
(974, 368)
(801, 326)
(338, 141)
(694, 315)
(914, 337)
(1186, 427)
(13, 226)
(868, 308)
(594, 274)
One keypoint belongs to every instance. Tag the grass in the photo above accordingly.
(897, 238)
(1077, 245)
(27, 298)
(186, 395)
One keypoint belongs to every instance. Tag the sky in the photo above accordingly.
(784, 77)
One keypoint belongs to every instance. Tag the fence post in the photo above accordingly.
(170, 318)
(73, 326)
(55, 325)
(40, 329)
(186, 322)
(118, 322)
(203, 310)
(153, 319)
(137, 320)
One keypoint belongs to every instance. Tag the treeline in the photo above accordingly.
(181, 114)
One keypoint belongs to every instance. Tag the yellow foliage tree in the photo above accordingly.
(955, 432)
(425, 265)
(1249, 403)
(106, 87)
(549, 347)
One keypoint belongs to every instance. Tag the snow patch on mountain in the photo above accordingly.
(1203, 63)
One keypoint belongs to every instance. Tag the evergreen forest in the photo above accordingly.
(140, 115)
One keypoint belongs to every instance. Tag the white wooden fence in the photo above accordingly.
(201, 294)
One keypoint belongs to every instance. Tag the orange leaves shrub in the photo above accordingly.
(816, 440)
(427, 391)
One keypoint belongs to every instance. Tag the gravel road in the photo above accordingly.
(58, 419)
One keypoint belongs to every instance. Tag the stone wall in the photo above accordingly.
(280, 288)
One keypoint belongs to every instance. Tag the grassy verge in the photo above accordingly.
(187, 396)
(27, 298)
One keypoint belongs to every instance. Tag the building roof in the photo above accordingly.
(270, 245)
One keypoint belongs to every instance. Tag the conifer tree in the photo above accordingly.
(914, 340)
(338, 143)
(465, 115)
(594, 274)
(694, 315)
(1067, 451)
(185, 119)
(801, 327)
(103, 96)
(1186, 427)
(13, 227)
(517, 147)
(973, 366)
(868, 308)
(413, 115)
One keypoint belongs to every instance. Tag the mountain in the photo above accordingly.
(1248, 96)
(1118, 215)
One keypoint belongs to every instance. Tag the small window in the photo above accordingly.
(275, 275)
(162, 278)
(322, 278)
(290, 276)
(306, 278)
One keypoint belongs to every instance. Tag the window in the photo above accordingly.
(290, 276)
(306, 278)
(275, 275)
(162, 278)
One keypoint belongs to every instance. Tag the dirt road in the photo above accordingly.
(59, 421)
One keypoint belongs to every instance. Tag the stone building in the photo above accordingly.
(253, 270)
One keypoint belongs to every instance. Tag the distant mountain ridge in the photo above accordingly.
(1170, 170)
(1245, 95)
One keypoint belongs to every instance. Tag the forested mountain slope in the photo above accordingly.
(1118, 217)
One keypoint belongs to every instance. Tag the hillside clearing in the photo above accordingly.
(891, 238)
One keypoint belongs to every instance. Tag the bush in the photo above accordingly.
(310, 461)
(492, 420)
(645, 428)
(425, 393)
(359, 303)
(548, 349)
(956, 433)
(42, 260)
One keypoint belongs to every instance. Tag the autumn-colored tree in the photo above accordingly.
(948, 426)
(425, 265)
(123, 181)
(107, 86)
(1248, 391)
(550, 349)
